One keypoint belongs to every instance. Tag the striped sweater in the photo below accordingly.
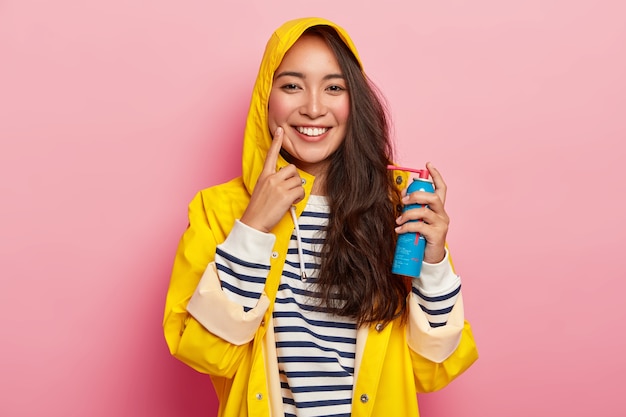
(316, 350)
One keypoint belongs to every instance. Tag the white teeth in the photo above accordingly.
(312, 131)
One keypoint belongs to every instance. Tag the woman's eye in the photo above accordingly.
(289, 87)
(336, 88)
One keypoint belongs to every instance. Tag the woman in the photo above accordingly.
(282, 288)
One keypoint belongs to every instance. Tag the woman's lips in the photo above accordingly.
(311, 131)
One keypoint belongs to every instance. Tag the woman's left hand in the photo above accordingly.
(434, 219)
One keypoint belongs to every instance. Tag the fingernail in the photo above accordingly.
(397, 229)
(405, 199)
(279, 130)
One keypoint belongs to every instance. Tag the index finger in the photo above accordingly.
(272, 153)
(438, 182)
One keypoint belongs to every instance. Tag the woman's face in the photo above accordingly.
(310, 101)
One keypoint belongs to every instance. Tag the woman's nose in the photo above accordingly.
(313, 106)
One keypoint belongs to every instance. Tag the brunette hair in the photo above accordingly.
(355, 277)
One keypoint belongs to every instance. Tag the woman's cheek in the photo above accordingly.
(343, 111)
(277, 110)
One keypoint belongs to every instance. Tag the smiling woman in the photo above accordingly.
(282, 288)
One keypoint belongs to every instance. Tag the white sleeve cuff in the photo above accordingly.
(249, 243)
(437, 279)
(434, 343)
(222, 317)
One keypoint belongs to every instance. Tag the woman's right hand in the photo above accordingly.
(275, 191)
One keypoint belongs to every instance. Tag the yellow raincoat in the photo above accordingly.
(239, 352)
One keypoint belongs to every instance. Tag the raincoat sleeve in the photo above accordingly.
(439, 354)
(194, 272)
(431, 375)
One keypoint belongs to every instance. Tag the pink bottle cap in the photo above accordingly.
(422, 173)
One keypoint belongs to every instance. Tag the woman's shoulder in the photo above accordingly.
(229, 197)
(234, 187)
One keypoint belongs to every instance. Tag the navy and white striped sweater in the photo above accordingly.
(315, 350)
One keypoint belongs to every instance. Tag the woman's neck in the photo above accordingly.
(319, 185)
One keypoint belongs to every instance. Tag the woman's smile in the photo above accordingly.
(312, 134)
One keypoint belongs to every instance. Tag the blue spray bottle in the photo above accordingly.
(410, 246)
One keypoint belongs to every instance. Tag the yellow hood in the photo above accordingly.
(257, 138)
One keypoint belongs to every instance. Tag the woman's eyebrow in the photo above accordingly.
(333, 76)
(289, 74)
(302, 76)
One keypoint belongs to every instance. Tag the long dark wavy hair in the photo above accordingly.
(355, 277)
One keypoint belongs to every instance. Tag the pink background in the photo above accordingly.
(114, 113)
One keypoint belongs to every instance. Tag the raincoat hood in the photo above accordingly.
(257, 138)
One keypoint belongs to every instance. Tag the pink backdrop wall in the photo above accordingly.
(114, 113)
